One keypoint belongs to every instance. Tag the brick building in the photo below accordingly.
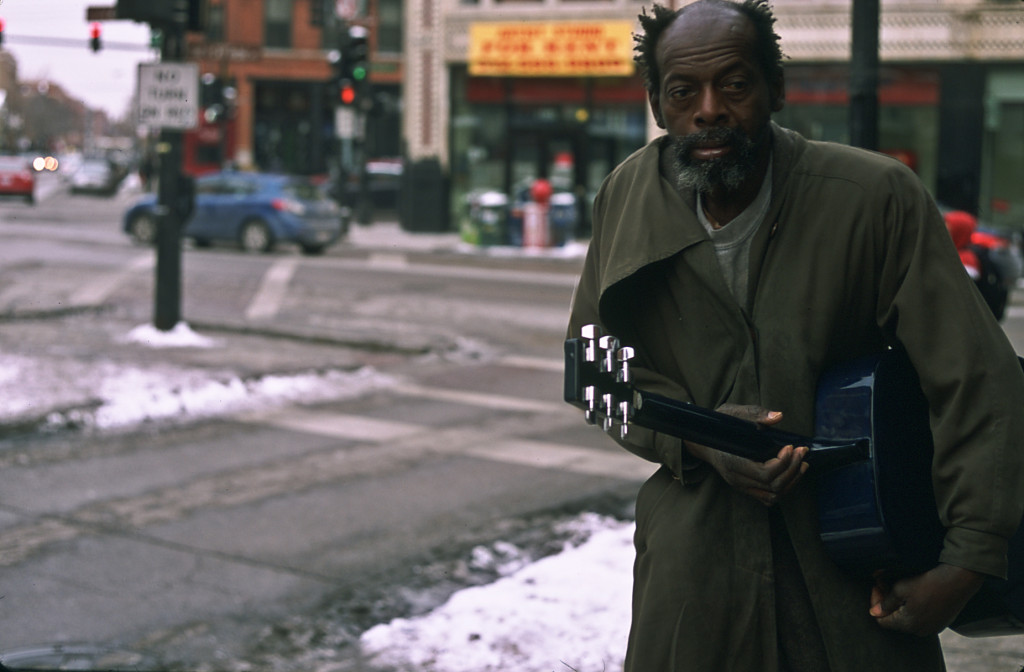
(270, 57)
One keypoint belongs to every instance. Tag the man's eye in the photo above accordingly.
(679, 92)
(736, 85)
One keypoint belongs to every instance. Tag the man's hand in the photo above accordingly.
(924, 604)
(764, 481)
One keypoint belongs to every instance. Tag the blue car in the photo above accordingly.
(256, 211)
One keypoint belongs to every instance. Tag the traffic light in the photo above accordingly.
(1, 32)
(356, 54)
(347, 93)
(94, 37)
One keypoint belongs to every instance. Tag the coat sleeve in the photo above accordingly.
(652, 446)
(969, 374)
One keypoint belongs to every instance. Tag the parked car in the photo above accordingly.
(256, 211)
(17, 178)
(94, 177)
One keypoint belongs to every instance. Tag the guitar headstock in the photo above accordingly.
(598, 377)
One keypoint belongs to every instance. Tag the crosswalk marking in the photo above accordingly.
(545, 455)
(476, 443)
(272, 290)
(481, 399)
(97, 290)
(336, 425)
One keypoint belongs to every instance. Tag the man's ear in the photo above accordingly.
(655, 101)
(778, 93)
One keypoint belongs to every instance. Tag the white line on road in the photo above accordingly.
(543, 455)
(272, 290)
(535, 363)
(102, 287)
(469, 398)
(508, 450)
(335, 425)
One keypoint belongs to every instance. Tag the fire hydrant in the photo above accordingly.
(535, 215)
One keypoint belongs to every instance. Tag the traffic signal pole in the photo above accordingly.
(167, 297)
(864, 74)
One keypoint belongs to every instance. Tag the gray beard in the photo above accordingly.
(726, 173)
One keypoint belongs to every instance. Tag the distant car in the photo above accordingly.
(17, 178)
(94, 177)
(256, 211)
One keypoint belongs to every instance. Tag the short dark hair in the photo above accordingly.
(759, 12)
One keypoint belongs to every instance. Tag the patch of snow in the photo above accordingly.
(565, 612)
(181, 336)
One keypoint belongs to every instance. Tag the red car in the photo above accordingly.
(17, 178)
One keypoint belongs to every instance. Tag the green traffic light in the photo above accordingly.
(359, 72)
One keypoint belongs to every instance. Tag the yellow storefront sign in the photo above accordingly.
(557, 49)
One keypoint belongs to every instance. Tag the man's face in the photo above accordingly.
(714, 100)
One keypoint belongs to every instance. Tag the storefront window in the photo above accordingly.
(508, 132)
(817, 107)
(1005, 204)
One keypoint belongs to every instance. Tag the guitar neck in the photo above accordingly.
(593, 385)
(735, 436)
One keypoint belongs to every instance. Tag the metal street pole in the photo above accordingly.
(167, 302)
(864, 74)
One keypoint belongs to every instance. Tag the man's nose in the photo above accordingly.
(710, 110)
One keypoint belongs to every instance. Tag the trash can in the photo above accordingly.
(486, 218)
(423, 199)
(561, 217)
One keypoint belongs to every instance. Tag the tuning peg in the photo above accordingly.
(609, 344)
(589, 394)
(625, 354)
(625, 411)
(609, 411)
(591, 333)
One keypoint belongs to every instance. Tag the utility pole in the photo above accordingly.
(168, 100)
(167, 298)
(864, 74)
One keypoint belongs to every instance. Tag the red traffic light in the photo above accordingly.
(347, 93)
(94, 36)
(1, 32)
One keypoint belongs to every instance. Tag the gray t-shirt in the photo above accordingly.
(732, 241)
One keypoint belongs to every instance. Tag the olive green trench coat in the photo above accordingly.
(853, 256)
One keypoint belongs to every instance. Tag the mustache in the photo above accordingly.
(709, 136)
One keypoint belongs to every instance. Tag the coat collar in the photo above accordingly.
(649, 220)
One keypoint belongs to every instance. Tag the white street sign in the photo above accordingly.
(169, 95)
(345, 122)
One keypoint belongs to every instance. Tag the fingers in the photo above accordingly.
(769, 481)
(751, 413)
(885, 599)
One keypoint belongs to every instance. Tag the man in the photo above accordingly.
(740, 261)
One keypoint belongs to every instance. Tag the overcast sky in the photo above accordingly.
(105, 80)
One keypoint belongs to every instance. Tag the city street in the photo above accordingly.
(192, 540)
(188, 540)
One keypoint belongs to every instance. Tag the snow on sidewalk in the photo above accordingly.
(565, 612)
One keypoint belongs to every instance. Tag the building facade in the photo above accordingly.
(267, 100)
(498, 107)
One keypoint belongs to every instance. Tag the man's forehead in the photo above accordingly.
(709, 25)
